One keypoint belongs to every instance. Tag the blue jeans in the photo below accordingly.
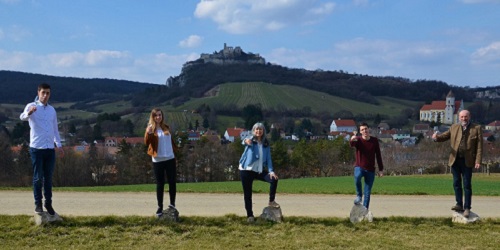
(247, 178)
(369, 179)
(43, 161)
(460, 171)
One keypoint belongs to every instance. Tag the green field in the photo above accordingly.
(292, 97)
(232, 232)
(388, 185)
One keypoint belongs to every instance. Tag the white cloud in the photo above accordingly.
(250, 16)
(487, 55)
(191, 42)
(155, 68)
(379, 58)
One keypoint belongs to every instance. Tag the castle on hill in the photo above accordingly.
(229, 55)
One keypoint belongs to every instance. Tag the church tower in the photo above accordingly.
(450, 109)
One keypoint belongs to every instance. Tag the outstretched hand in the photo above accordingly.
(248, 141)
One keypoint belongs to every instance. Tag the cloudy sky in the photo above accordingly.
(455, 41)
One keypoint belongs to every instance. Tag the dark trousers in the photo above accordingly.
(461, 172)
(247, 178)
(43, 161)
(161, 169)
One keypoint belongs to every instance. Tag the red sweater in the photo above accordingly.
(366, 151)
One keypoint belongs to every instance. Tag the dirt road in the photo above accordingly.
(196, 204)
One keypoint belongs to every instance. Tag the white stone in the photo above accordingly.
(45, 218)
(358, 213)
(458, 217)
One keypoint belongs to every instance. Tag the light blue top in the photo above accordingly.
(255, 157)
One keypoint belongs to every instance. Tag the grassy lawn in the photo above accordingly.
(232, 232)
(388, 185)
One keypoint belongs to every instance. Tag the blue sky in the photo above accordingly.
(455, 41)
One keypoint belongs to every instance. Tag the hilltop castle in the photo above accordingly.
(229, 55)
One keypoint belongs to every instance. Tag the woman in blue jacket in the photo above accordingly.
(256, 156)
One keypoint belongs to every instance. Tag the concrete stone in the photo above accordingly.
(272, 214)
(360, 213)
(45, 218)
(170, 214)
(458, 217)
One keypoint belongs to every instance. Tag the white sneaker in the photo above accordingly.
(357, 201)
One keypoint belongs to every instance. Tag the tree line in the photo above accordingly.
(209, 161)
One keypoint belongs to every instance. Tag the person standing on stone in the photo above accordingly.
(162, 149)
(44, 133)
(466, 153)
(367, 150)
(255, 157)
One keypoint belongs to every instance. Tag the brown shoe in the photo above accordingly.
(467, 213)
(457, 208)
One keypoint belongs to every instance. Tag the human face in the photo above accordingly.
(258, 132)
(464, 117)
(158, 117)
(44, 95)
(365, 131)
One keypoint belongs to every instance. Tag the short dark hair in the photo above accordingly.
(43, 86)
(364, 124)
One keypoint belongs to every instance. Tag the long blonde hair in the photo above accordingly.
(164, 127)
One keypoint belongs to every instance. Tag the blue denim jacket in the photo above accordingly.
(251, 154)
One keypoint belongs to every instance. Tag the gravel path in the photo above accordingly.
(197, 204)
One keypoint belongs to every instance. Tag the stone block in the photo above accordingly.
(45, 218)
(458, 217)
(360, 213)
(272, 214)
(170, 214)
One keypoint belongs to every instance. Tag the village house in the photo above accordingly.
(493, 126)
(340, 125)
(421, 128)
(232, 133)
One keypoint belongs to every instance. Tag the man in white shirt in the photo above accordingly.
(44, 134)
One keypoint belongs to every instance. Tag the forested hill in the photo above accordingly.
(198, 77)
(20, 87)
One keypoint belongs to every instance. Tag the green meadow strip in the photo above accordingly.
(232, 232)
(484, 185)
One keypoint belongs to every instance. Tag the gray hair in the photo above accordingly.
(259, 125)
(265, 142)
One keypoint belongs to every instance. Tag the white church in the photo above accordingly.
(445, 112)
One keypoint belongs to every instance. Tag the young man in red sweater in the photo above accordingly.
(367, 150)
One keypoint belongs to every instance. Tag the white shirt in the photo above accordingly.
(43, 123)
(165, 151)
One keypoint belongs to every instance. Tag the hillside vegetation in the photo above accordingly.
(283, 97)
